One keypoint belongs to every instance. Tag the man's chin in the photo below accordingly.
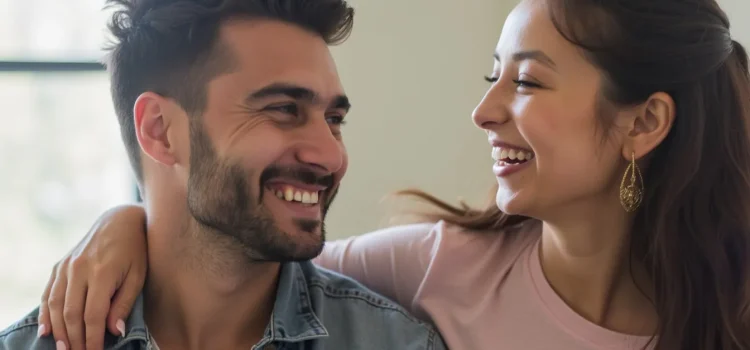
(307, 253)
(309, 227)
(305, 238)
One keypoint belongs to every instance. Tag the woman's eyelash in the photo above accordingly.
(526, 83)
(518, 82)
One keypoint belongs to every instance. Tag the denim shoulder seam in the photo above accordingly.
(120, 344)
(26, 322)
(366, 296)
(431, 339)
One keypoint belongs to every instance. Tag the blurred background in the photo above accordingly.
(413, 69)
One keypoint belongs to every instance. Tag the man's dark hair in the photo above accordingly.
(171, 47)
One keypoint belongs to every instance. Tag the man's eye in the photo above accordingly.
(287, 108)
(335, 120)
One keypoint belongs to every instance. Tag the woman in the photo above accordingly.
(621, 135)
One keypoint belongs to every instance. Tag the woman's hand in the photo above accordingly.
(96, 284)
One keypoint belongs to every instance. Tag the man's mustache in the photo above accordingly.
(302, 175)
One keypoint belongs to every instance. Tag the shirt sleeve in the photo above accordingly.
(392, 262)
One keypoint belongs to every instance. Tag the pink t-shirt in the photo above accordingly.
(481, 290)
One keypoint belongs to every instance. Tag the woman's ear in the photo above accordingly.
(652, 122)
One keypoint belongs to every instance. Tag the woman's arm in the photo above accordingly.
(96, 284)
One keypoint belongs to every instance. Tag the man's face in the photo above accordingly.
(266, 156)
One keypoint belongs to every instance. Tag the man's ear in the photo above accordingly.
(652, 122)
(151, 126)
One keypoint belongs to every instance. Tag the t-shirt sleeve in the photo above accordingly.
(392, 261)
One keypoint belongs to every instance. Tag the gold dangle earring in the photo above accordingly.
(631, 194)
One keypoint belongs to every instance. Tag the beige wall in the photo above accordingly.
(414, 71)
(739, 17)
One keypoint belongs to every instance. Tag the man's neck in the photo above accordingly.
(202, 292)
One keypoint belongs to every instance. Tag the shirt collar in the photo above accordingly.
(293, 318)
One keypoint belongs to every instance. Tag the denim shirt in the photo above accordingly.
(315, 309)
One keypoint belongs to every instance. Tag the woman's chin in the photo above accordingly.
(511, 205)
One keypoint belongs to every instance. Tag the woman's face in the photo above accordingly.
(541, 114)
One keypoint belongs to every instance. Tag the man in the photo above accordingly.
(231, 112)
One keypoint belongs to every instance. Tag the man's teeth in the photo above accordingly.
(504, 154)
(291, 194)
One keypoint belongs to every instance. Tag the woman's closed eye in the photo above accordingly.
(526, 84)
(521, 83)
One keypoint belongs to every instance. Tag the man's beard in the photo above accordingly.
(221, 200)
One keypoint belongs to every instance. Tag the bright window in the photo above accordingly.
(52, 30)
(63, 162)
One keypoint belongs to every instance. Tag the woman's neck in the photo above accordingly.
(585, 256)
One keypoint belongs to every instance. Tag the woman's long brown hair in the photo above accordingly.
(693, 229)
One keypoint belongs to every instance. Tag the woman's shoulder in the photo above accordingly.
(441, 237)
(465, 264)
(445, 250)
(428, 247)
(506, 242)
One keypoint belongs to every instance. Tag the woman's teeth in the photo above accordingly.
(291, 194)
(510, 155)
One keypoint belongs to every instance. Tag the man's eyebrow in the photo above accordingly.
(341, 102)
(534, 55)
(284, 89)
(298, 93)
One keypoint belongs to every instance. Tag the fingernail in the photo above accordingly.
(121, 327)
(41, 330)
(60, 345)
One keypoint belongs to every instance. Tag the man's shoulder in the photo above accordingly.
(351, 310)
(334, 286)
(23, 334)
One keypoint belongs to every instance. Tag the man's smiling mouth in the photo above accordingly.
(292, 193)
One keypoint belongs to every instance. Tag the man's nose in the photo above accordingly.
(319, 148)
